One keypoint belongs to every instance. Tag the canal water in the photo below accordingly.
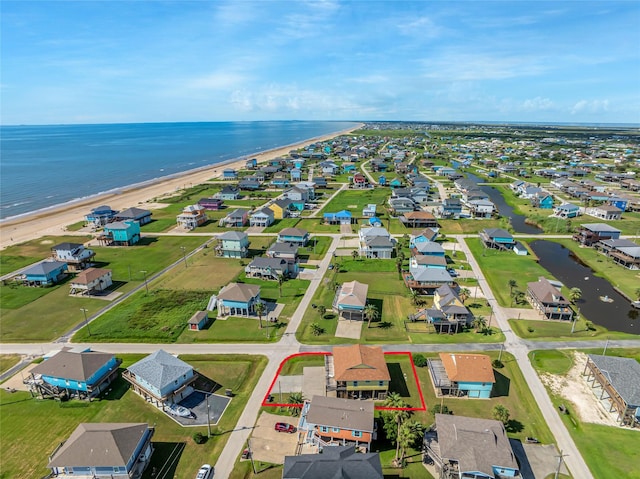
(505, 210)
(617, 315)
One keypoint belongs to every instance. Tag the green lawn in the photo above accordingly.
(467, 226)
(316, 248)
(499, 267)
(608, 451)
(22, 416)
(561, 330)
(279, 225)
(7, 361)
(355, 200)
(403, 380)
(234, 330)
(295, 366)
(316, 225)
(23, 254)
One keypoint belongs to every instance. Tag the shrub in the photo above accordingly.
(437, 409)
(530, 329)
(496, 363)
(419, 360)
(199, 438)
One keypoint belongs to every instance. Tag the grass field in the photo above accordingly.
(234, 330)
(7, 361)
(32, 428)
(608, 451)
(23, 254)
(294, 366)
(499, 267)
(561, 330)
(355, 200)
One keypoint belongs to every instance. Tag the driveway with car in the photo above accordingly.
(269, 445)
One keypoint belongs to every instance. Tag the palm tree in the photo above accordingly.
(512, 284)
(322, 310)
(295, 398)
(575, 294)
(479, 322)
(464, 294)
(354, 254)
(398, 415)
(260, 307)
(280, 281)
(399, 262)
(370, 313)
(415, 297)
(410, 432)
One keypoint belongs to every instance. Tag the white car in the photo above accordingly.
(205, 472)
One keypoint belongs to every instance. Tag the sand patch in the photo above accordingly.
(46, 242)
(574, 388)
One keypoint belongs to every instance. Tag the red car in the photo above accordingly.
(284, 427)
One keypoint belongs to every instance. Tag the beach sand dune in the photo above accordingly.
(54, 220)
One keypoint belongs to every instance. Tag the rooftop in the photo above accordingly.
(359, 363)
(474, 368)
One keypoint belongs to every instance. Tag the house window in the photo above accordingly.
(336, 429)
(380, 383)
(355, 384)
(324, 429)
(356, 433)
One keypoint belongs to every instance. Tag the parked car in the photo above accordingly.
(284, 427)
(205, 472)
(246, 454)
(452, 272)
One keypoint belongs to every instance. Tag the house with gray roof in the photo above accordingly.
(140, 215)
(161, 378)
(271, 268)
(288, 251)
(101, 450)
(233, 244)
(619, 381)
(238, 299)
(44, 273)
(470, 447)
(351, 299)
(262, 218)
(548, 300)
(75, 255)
(334, 462)
(427, 280)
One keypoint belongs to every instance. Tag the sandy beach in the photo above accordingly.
(53, 221)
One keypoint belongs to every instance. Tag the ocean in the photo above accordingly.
(44, 166)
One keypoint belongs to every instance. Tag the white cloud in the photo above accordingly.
(537, 104)
(474, 67)
(593, 106)
(217, 81)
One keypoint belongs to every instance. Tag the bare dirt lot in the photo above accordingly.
(268, 445)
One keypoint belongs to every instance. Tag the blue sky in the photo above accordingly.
(138, 61)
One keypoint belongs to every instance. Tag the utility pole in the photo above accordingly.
(184, 255)
(208, 416)
(86, 322)
(145, 280)
(500, 354)
(604, 353)
(559, 463)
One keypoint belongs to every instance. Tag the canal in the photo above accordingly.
(617, 315)
(517, 220)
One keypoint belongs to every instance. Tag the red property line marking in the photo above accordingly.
(266, 403)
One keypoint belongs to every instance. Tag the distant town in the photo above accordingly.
(418, 300)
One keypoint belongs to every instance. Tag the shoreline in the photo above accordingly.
(52, 220)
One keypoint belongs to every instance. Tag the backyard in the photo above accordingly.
(22, 415)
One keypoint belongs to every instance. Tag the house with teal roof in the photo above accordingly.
(120, 233)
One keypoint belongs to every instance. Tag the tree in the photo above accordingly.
(575, 294)
(316, 329)
(392, 420)
(370, 313)
(464, 294)
(322, 310)
(512, 284)
(295, 398)
(519, 297)
(419, 360)
(399, 262)
(260, 308)
(355, 254)
(479, 322)
(501, 413)
(410, 432)
(415, 297)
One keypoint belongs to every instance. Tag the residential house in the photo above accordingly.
(288, 251)
(73, 373)
(542, 200)
(320, 182)
(271, 268)
(297, 194)
(369, 210)
(191, 217)
(605, 212)
(328, 168)
(340, 218)
(228, 193)
(427, 261)
(238, 299)
(282, 208)
(520, 249)
(229, 174)
(213, 204)
(233, 244)
(249, 184)
(376, 242)
(591, 233)
(198, 321)
(382, 180)
(401, 205)
(427, 280)
(328, 421)
(335, 462)
(447, 301)
(619, 202)
(395, 183)
(294, 235)
(450, 208)
(548, 300)
(140, 215)
(161, 378)
(425, 236)
(348, 167)
(120, 233)
(101, 450)
(236, 219)
(617, 380)
(481, 208)
(469, 375)
(621, 251)
(360, 181)
(261, 218)
(308, 188)
(468, 447)
(497, 238)
(350, 300)
(280, 181)
(419, 219)
(251, 164)
(91, 281)
(101, 215)
(360, 372)
(566, 210)
(295, 174)
(44, 273)
(75, 255)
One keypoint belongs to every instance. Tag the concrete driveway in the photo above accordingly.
(348, 329)
(268, 445)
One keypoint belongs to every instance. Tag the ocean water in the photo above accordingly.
(43, 166)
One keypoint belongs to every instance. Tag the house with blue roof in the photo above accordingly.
(542, 200)
(101, 215)
(161, 378)
(229, 174)
(80, 373)
(395, 183)
(340, 218)
(120, 233)
(44, 273)
(382, 180)
(251, 164)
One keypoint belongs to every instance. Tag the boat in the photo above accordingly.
(177, 410)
